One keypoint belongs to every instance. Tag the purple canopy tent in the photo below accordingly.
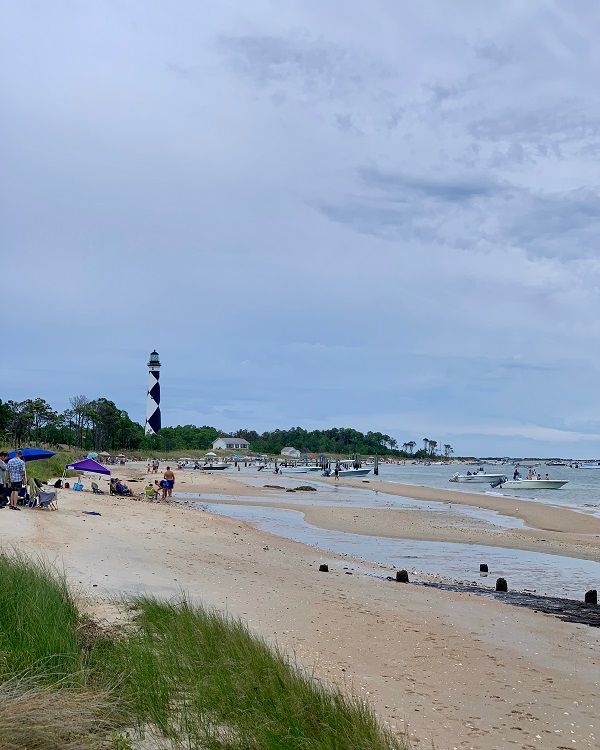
(88, 464)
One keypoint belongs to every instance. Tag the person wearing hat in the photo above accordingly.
(16, 473)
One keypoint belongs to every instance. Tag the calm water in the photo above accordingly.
(546, 574)
(581, 493)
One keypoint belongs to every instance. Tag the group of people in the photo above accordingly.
(530, 475)
(12, 479)
(152, 466)
(164, 488)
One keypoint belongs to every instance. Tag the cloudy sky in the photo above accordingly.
(382, 215)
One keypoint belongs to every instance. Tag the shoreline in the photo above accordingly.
(549, 529)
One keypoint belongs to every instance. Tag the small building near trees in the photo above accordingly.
(231, 443)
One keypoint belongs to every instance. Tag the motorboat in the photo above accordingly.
(586, 465)
(477, 477)
(214, 466)
(348, 469)
(531, 484)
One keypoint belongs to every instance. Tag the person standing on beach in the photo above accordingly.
(16, 473)
(169, 477)
(336, 473)
(3, 480)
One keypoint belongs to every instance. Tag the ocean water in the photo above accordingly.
(544, 573)
(581, 493)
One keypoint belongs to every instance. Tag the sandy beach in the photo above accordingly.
(460, 671)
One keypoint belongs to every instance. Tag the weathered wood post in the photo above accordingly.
(402, 576)
(323, 568)
(376, 466)
(483, 568)
(501, 584)
(591, 596)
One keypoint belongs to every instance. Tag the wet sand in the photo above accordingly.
(460, 671)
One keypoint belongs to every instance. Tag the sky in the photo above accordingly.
(380, 215)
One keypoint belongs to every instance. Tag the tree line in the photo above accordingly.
(98, 424)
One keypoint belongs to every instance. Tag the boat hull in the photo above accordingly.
(476, 478)
(353, 472)
(533, 484)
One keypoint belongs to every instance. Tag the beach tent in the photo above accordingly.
(88, 464)
(210, 453)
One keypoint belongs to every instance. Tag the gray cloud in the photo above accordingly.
(317, 213)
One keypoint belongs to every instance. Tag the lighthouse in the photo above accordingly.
(153, 399)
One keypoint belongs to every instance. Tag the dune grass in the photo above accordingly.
(185, 675)
(38, 716)
(204, 678)
(38, 620)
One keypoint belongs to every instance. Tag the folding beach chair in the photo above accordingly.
(47, 499)
(96, 490)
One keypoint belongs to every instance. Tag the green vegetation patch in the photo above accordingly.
(184, 675)
(38, 620)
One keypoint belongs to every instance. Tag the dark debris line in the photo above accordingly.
(569, 610)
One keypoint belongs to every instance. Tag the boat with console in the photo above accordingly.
(214, 466)
(530, 484)
(477, 477)
(347, 469)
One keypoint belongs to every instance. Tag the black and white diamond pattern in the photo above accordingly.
(153, 404)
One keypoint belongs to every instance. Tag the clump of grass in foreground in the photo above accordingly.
(38, 620)
(185, 676)
(205, 681)
(35, 716)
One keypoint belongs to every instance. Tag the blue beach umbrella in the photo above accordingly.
(93, 454)
(32, 454)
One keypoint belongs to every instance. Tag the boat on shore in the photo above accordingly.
(214, 466)
(531, 484)
(347, 469)
(477, 477)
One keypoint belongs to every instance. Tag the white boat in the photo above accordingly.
(293, 470)
(347, 469)
(532, 484)
(214, 466)
(586, 465)
(477, 477)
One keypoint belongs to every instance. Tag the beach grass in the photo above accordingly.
(183, 674)
(38, 620)
(197, 674)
